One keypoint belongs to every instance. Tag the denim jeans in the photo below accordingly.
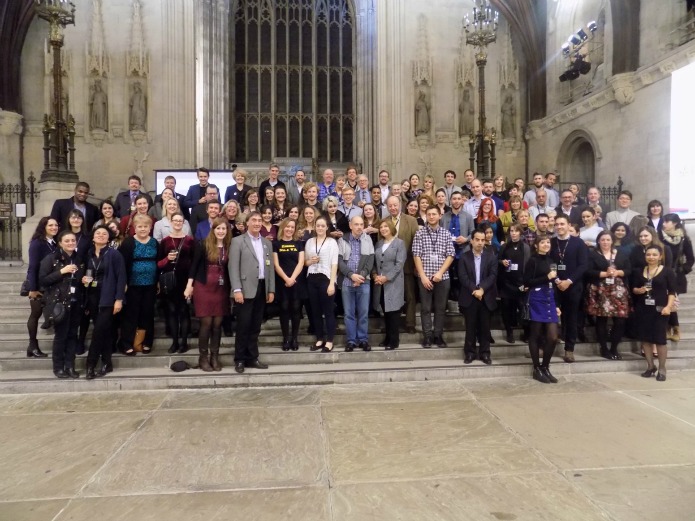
(356, 309)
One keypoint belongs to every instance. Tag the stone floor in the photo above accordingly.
(594, 447)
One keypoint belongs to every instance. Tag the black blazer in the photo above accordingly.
(122, 203)
(576, 260)
(598, 263)
(198, 213)
(62, 207)
(180, 198)
(575, 216)
(488, 278)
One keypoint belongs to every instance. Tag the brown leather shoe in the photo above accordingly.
(569, 357)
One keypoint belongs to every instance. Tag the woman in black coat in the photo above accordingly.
(42, 245)
(61, 275)
(676, 240)
(513, 257)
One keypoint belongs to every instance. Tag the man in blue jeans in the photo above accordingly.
(355, 263)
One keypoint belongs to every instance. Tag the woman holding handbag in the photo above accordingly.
(208, 284)
(513, 257)
(174, 262)
(61, 276)
(42, 245)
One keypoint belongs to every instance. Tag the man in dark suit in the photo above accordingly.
(478, 296)
(199, 213)
(271, 182)
(61, 207)
(125, 201)
(572, 258)
(252, 274)
(406, 228)
(170, 183)
(566, 208)
(196, 193)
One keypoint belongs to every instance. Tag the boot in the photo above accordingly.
(669, 333)
(203, 361)
(676, 334)
(605, 353)
(569, 357)
(33, 350)
(91, 373)
(215, 351)
(615, 355)
(183, 345)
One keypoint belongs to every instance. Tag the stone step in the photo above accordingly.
(148, 378)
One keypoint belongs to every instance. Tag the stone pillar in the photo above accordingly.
(365, 79)
(211, 82)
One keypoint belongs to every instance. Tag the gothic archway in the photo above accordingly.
(577, 160)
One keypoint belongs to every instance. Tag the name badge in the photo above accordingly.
(561, 267)
(513, 267)
(72, 290)
(94, 283)
(649, 302)
(267, 262)
(610, 281)
(220, 281)
(434, 257)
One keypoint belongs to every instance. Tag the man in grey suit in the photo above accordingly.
(252, 274)
(295, 187)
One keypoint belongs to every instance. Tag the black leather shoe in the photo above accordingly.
(649, 372)
(183, 347)
(364, 346)
(539, 376)
(60, 374)
(427, 341)
(468, 359)
(72, 373)
(440, 341)
(510, 338)
(91, 373)
(286, 344)
(605, 353)
(239, 367)
(36, 353)
(660, 377)
(173, 348)
(546, 372)
(350, 347)
(615, 355)
(294, 345)
(384, 343)
(317, 346)
(256, 365)
(486, 360)
(105, 369)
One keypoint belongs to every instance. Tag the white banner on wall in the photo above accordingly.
(682, 175)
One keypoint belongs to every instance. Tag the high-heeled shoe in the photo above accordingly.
(325, 348)
(660, 377)
(649, 372)
(286, 344)
(317, 346)
(294, 344)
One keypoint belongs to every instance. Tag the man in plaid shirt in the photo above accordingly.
(328, 186)
(433, 253)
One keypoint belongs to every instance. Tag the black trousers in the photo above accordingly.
(138, 313)
(391, 321)
(65, 339)
(569, 302)
(410, 299)
(249, 317)
(322, 306)
(477, 326)
(104, 332)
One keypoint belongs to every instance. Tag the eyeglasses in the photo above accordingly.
(178, 221)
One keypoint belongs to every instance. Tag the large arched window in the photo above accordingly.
(293, 80)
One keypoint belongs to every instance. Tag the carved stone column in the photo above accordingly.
(365, 77)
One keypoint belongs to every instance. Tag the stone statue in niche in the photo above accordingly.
(466, 113)
(508, 118)
(138, 108)
(98, 108)
(422, 115)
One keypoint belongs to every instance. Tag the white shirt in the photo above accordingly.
(327, 251)
(385, 191)
(257, 243)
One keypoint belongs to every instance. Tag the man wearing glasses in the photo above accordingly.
(62, 207)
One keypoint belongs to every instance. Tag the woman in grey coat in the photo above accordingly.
(389, 258)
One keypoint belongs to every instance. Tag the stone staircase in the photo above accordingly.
(410, 362)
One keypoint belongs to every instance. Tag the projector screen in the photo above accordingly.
(682, 178)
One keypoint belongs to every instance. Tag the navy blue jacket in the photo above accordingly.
(575, 258)
(38, 250)
(115, 280)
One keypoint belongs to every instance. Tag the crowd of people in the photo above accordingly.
(551, 261)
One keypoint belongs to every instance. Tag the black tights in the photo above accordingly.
(616, 333)
(178, 319)
(36, 306)
(542, 336)
(290, 312)
(210, 333)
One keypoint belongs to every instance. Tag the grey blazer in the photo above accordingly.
(243, 266)
(293, 195)
(390, 263)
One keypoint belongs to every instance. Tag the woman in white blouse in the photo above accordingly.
(321, 257)
(163, 228)
(591, 228)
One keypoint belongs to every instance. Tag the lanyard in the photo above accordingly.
(219, 260)
(561, 254)
(318, 249)
(434, 241)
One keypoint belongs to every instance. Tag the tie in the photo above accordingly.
(364, 195)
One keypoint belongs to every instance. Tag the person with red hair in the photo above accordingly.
(486, 215)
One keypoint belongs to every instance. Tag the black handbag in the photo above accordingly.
(167, 279)
(24, 290)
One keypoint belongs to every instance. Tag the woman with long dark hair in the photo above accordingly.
(140, 256)
(290, 284)
(268, 229)
(607, 292)
(142, 206)
(60, 274)
(654, 287)
(655, 214)
(280, 205)
(107, 212)
(676, 239)
(513, 257)
(104, 286)
(251, 201)
(176, 254)
(543, 310)
(42, 245)
(209, 286)
(76, 224)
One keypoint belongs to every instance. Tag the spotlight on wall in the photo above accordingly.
(574, 39)
(582, 35)
(592, 26)
(566, 50)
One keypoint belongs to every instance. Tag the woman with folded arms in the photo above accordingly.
(60, 274)
(290, 284)
(654, 288)
(607, 292)
(209, 285)
(676, 240)
(321, 258)
(176, 254)
(105, 284)
(590, 231)
(140, 256)
(108, 214)
(42, 245)
(389, 258)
